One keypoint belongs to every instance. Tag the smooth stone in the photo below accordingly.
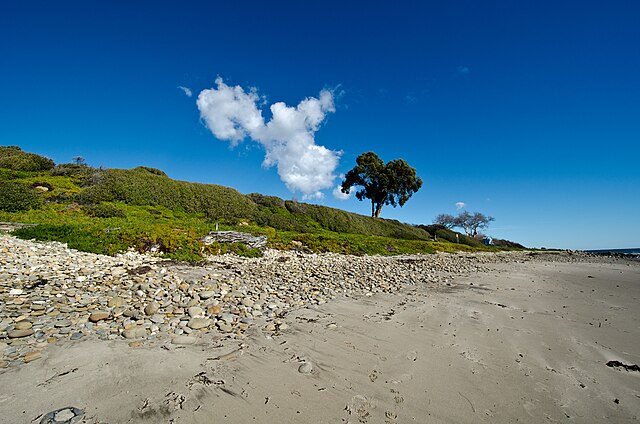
(197, 323)
(135, 344)
(227, 318)
(195, 311)
(99, 316)
(16, 334)
(152, 308)
(115, 302)
(247, 302)
(215, 309)
(135, 332)
(270, 327)
(62, 323)
(23, 325)
(184, 340)
(157, 319)
(283, 327)
(4, 364)
(64, 415)
(206, 294)
(32, 356)
(15, 292)
(77, 336)
(224, 326)
(305, 368)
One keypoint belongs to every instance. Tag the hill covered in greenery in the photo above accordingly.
(111, 210)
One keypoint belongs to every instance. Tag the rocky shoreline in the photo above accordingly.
(50, 293)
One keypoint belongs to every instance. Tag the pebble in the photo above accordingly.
(16, 334)
(224, 326)
(135, 333)
(23, 325)
(152, 308)
(99, 316)
(214, 310)
(32, 356)
(197, 323)
(305, 368)
(62, 323)
(195, 311)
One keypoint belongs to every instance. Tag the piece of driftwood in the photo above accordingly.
(235, 237)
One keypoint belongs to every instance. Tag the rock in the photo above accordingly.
(135, 344)
(23, 325)
(283, 327)
(305, 368)
(4, 364)
(152, 308)
(115, 302)
(197, 323)
(15, 292)
(224, 327)
(270, 327)
(184, 340)
(16, 334)
(214, 310)
(99, 316)
(206, 294)
(247, 302)
(135, 332)
(77, 336)
(31, 356)
(67, 415)
(195, 311)
(62, 323)
(229, 318)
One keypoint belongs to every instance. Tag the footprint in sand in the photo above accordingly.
(373, 376)
(358, 409)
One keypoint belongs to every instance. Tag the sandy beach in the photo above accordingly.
(536, 338)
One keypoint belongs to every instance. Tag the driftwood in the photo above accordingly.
(235, 237)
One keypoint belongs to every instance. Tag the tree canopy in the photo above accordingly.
(469, 222)
(384, 184)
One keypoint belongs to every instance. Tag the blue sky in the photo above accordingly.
(528, 111)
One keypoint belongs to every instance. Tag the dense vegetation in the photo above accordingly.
(111, 210)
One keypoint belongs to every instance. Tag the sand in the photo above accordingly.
(527, 343)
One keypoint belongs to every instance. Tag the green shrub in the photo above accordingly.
(77, 237)
(141, 187)
(105, 210)
(12, 157)
(16, 197)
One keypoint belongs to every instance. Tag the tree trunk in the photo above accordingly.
(376, 214)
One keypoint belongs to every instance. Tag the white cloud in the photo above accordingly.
(187, 91)
(337, 191)
(288, 138)
(460, 205)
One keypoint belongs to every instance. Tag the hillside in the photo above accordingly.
(110, 210)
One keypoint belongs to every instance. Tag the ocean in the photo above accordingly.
(635, 251)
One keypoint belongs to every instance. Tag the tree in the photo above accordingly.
(79, 160)
(391, 184)
(446, 220)
(469, 222)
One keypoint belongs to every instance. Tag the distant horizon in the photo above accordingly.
(524, 112)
